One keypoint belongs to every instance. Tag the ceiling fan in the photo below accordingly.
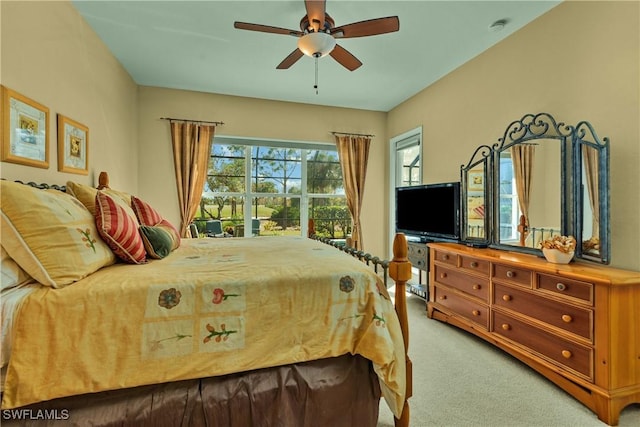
(317, 35)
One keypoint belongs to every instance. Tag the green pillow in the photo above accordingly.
(157, 241)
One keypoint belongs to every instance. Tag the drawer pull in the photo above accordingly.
(561, 286)
(511, 274)
(443, 297)
(566, 318)
(506, 297)
(474, 264)
(475, 313)
(477, 287)
(445, 257)
(566, 354)
(506, 326)
(443, 275)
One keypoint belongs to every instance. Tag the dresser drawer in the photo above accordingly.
(564, 353)
(566, 287)
(472, 285)
(445, 257)
(417, 254)
(513, 275)
(462, 306)
(576, 320)
(475, 265)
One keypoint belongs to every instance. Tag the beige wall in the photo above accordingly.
(248, 117)
(50, 54)
(580, 61)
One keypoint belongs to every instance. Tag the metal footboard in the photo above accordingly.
(379, 266)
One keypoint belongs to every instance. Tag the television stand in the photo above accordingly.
(418, 254)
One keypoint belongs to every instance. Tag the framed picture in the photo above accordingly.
(73, 146)
(476, 180)
(25, 130)
(475, 207)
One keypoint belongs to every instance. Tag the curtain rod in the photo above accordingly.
(351, 134)
(189, 120)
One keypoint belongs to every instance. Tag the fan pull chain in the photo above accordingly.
(316, 85)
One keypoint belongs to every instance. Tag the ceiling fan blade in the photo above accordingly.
(316, 13)
(370, 27)
(266, 29)
(290, 60)
(345, 58)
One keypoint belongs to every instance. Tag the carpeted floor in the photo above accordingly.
(460, 380)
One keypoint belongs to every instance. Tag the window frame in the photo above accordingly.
(249, 194)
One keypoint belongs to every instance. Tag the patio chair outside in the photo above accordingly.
(214, 228)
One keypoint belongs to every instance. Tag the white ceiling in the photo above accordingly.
(192, 45)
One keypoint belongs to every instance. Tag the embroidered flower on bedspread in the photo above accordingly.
(169, 298)
(157, 344)
(354, 317)
(347, 284)
(219, 296)
(222, 334)
(379, 321)
(87, 238)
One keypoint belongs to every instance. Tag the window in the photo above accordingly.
(276, 187)
(509, 210)
(408, 168)
(405, 170)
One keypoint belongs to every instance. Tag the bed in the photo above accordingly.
(216, 332)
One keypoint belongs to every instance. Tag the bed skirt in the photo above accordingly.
(340, 391)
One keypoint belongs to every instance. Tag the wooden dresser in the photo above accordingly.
(576, 324)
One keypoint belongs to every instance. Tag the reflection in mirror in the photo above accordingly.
(530, 193)
(592, 194)
(531, 189)
(476, 199)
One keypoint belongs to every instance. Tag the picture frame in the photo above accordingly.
(25, 130)
(73, 146)
(476, 180)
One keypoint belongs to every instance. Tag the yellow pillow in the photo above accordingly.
(50, 234)
(87, 195)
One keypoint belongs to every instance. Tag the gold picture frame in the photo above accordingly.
(25, 130)
(73, 146)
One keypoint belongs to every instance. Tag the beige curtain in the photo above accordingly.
(522, 156)
(191, 152)
(353, 152)
(590, 161)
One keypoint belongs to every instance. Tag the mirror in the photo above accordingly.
(476, 200)
(541, 179)
(530, 193)
(591, 162)
(531, 183)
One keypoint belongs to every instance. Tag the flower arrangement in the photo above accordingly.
(565, 244)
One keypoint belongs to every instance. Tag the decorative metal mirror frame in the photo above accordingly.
(482, 156)
(533, 129)
(584, 135)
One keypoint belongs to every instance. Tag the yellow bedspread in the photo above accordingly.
(212, 307)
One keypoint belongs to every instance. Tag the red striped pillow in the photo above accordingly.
(145, 213)
(150, 217)
(119, 229)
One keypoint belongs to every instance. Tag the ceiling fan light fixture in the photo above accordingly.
(316, 45)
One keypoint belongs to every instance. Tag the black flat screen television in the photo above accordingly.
(429, 212)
